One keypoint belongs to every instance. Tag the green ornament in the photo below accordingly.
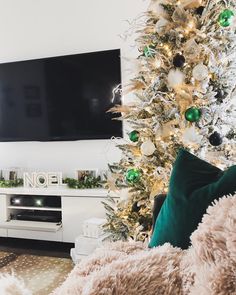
(226, 18)
(134, 136)
(193, 114)
(133, 175)
(149, 51)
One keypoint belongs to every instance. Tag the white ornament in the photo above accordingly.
(200, 72)
(148, 148)
(175, 78)
(161, 24)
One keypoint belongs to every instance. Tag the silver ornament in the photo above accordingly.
(200, 72)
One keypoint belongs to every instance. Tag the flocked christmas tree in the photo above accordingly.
(185, 97)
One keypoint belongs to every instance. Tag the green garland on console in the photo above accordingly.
(11, 183)
(87, 182)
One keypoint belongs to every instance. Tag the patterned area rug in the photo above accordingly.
(41, 274)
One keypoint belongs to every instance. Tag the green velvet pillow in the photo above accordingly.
(194, 184)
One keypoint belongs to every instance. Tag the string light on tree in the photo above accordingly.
(168, 50)
(190, 27)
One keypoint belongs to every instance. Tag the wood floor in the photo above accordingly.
(35, 247)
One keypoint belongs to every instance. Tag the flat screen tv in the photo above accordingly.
(60, 98)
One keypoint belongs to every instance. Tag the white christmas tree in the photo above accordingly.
(185, 97)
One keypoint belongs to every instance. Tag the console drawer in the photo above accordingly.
(3, 232)
(35, 235)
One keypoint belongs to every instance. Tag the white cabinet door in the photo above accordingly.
(3, 208)
(75, 210)
(3, 214)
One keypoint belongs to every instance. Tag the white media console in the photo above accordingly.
(76, 206)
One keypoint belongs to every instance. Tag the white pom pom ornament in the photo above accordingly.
(148, 148)
(175, 78)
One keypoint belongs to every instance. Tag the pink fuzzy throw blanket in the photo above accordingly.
(206, 268)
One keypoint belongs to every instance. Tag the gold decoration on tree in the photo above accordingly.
(121, 109)
(191, 3)
(191, 49)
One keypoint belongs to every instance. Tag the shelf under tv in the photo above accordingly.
(35, 208)
(31, 225)
(57, 191)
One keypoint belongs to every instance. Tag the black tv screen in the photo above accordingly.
(60, 98)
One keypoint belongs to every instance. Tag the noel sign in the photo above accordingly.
(42, 179)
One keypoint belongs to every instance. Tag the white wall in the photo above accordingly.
(33, 29)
